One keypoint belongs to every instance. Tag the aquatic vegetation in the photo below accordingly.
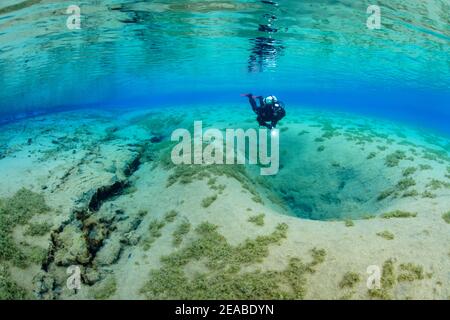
(428, 194)
(303, 132)
(410, 193)
(206, 202)
(9, 290)
(386, 235)
(223, 280)
(17, 210)
(388, 281)
(349, 280)
(154, 229)
(321, 148)
(186, 174)
(446, 217)
(385, 194)
(398, 214)
(318, 255)
(170, 216)
(258, 219)
(410, 272)
(349, 223)
(393, 159)
(371, 155)
(182, 229)
(409, 171)
(425, 167)
(435, 184)
(38, 229)
(105, 289)
(405, 183)
(23, 205)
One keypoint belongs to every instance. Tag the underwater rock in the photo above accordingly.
(105, 192)
(131, 238)
(71, 247)
(44, 284)
(91, 276)
(156, 139)
(109, 253)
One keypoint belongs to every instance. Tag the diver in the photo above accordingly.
(269, 112)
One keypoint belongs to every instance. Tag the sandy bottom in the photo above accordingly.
(352, 195)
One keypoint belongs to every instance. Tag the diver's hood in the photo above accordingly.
(270, 100)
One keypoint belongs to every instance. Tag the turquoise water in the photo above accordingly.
(149, 53)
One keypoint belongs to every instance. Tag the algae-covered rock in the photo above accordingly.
(91, 276)
(109, 253)
(71, 247)
(44, 284)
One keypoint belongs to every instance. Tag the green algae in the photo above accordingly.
(428, 194)
(405, 183)
(410, 272)
(318, 256)
(9, 290)
(385, 194)
(258, 219)
(409, 171)
(406, 272)
(393, 159)
(206, 202)
(388, 281)
(435, 184)
(170, 216)
(398, 214)
(371, 155)
(386, 235)
(410, 193)
(424, 167)
(38, 229)
(179, 233)
(349, 280)
(105, 289)
(349, 223)
(223, 278)
(14, 211)
(154, 229)
(446, 217)
(186, 174)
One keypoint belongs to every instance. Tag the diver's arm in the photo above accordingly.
(261, 101)
(252, 101)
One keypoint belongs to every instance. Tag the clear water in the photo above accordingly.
(141, 53)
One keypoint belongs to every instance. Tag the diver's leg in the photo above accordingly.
(261, 122)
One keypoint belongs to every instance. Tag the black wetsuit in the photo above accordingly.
(267, 112)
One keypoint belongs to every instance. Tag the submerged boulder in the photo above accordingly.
(71, 247)
(109, 253)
